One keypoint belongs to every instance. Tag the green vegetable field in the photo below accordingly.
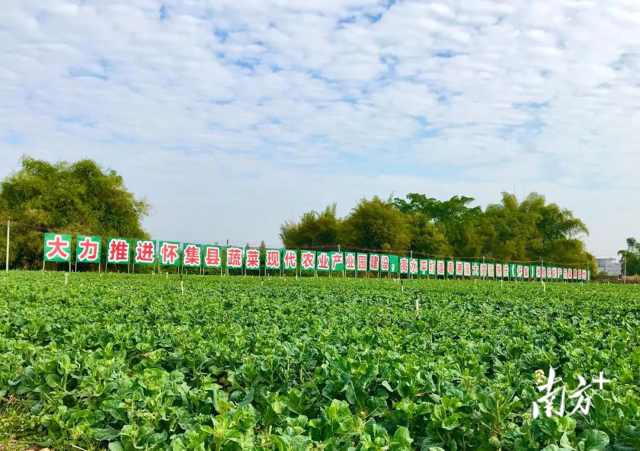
(125, 362)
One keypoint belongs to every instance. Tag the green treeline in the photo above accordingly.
(83, 198)
(530, 230)
(75, 198)
(630, 257)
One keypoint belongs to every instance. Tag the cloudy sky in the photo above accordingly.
(234, 115)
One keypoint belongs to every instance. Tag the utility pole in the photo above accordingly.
(8, 235)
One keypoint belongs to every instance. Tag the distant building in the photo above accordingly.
(609, 265)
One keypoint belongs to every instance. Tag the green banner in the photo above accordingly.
(144, 252)
(212, 256)
(252, 259)
(459, 269)
(88, 249)
(337, 261)
(57, 247)
(362, 262)
(374, 262)
(290, 259)
(234, 257)
(413, 266)
(350, 261)
(431, 267)
(191, 255)
(273, 259)
(384, 263)
(451, 268)
(308, 260)
(323, 261)
(394, 264)
(118, 251)
(169, 253)
(404, 265)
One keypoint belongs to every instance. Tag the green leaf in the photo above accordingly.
(386, 385)
(565, 443)
(105, 434)
(594, 440)
(402, 438)
(116, 446)
(247, 399)
(630, 435)
(451, 422)
(53, 381)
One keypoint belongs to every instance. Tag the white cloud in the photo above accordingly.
(232, 116)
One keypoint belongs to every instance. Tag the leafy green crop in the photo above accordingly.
(128, 363)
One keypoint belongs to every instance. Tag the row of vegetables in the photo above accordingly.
(128, 362)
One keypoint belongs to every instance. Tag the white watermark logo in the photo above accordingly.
(547, 400)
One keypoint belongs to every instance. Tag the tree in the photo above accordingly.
(631, 257)
(377, 225)
(263, 252)
(314, 229)
(426, 238)
(454, 219)
(77, 198)
(534, 230)
(530, 230)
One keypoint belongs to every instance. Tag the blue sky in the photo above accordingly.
(232, 116)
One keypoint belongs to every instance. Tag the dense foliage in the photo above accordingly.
(78, 198)
(126, 361)
(531, 230)
(630, 257)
